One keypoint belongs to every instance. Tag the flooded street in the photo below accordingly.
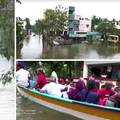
(28, 110)
(33, 48)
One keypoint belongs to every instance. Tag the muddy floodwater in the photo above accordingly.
(33, 48)
(28, 110)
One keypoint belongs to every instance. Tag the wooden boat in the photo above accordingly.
(78, 109)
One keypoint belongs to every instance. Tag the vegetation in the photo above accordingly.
(104, 25)
(52, 25)
(63, 68)
(7, 35)
(28, 25)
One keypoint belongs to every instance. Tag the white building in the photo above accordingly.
(84, 24)
(115, 66)
(117, 24)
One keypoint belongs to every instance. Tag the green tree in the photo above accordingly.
(7, 35)
(52, 25)
(39, 27)
(28, 25)
(19, 29)
(106, 27)
(95, 22)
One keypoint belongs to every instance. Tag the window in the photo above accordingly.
(87, 25)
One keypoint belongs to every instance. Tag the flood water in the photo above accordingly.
(7, 93)
(28, 110)
(33, 48)
(7, 102)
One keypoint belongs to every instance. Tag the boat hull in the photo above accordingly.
(78, 109)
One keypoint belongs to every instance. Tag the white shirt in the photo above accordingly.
(22, 76)
(54, 74)
(53, 89)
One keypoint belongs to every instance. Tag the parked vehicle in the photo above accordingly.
(113, 38)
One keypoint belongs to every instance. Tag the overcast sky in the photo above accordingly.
(34, 9)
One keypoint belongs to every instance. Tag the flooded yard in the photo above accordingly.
(33, 49)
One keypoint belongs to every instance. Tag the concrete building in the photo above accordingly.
(103, 67)
(77, 26)
(85, 25)
(117, 24)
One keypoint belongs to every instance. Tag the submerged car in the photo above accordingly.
(113, 38)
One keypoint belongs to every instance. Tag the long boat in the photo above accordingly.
(83, 110)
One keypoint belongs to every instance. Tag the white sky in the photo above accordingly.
(34, 9)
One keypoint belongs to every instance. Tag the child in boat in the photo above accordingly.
(22, 76)
(41, 80)
(105, 93)
(90, 93)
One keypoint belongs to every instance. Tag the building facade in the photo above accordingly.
(77, 26)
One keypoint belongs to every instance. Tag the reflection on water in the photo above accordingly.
(28, 110)
(33, 48)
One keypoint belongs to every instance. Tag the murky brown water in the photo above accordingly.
(28, 110)
(33, 48)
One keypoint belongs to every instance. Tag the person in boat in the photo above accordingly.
(74, 92)
(41, 79)
(117, 88)
(62, 81)
(22, 76)
(54, 74)
(106, 92)
(114, 101)
(68, 83)
(54, 89)
(95, 77)
(90, 93)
